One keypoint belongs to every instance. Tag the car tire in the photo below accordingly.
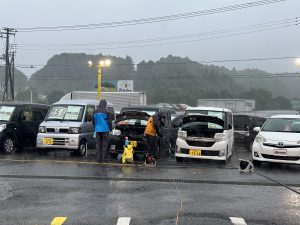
(8, 145)
(81, 151)
(257, 163)
(113, 155)
(42, 151)
(179, 159)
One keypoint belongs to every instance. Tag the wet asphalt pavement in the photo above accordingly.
(35, 189)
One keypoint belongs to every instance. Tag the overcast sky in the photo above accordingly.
(35, 48)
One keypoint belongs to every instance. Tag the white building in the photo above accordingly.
(235, 105)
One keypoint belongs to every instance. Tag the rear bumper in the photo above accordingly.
(117, 145)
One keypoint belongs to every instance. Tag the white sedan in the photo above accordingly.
(278, 140)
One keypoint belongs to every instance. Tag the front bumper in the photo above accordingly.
(117, 145)
(216, 152)
(61, 141)
(264, 153)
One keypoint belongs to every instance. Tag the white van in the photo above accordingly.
(68, 125)
(206, 133)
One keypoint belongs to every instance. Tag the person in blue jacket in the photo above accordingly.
(103, 124)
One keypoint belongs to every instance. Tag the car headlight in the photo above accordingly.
(182, 134)
(42, 129)
(116, 132)
(74, 130)
(2, 127)
(260, 139)
(220, 137)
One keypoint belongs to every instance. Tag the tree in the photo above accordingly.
(55, 96)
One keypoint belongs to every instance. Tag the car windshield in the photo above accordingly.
(220, 115)
(6, 112)
(149, 112)
(65, 113)
(291, 125)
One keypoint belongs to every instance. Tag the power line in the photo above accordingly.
(286, 25)
(151, 19)
(294, 20)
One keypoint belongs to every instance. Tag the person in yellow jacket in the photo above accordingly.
(152, 131)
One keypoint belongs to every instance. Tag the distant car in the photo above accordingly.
(19, 124)
(243, 129)
(278, 140)
(131, 123)
(206, 133)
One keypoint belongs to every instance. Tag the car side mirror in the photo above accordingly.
(230, 126)
(256, 129)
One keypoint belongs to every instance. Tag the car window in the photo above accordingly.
(89, 111)
(27, 114)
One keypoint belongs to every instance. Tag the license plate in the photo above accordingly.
(280, 151)
(48, 141)
(133, 143)
(195, 152)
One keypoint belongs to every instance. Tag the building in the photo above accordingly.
(235, 105)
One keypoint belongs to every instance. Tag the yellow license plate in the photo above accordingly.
(48, 141)
(133, 143)
(195, 152)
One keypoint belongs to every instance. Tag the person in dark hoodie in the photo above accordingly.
(103, 124)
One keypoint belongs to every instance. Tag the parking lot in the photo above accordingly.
(37, 189)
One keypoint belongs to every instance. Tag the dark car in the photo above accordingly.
(176, 123)
(243, 128)
(131, 123)
(19, 124)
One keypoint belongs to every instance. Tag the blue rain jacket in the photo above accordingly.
(101, 123)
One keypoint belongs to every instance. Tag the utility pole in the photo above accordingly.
(8, 94)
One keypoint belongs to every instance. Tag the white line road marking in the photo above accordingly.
(237, 221)
(124, 221)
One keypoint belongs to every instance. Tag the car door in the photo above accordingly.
(38, 116)
(88, 126)
(165, 141)
(27, 126)
(230, 131)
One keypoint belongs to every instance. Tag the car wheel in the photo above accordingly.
(257, 163)
(42, 151)
(8, 145)
(82, 148)
(179, 159)
(113, 155)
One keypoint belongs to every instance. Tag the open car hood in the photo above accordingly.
(127, 115)
(202, 118)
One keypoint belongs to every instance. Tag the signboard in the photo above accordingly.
(125, 86)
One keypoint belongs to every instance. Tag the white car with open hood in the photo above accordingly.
(278, 140)
(206, 133)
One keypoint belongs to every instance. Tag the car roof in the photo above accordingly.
(145, 107)
(208, 108)
(79, 102)
(286, 116)
(23, 103)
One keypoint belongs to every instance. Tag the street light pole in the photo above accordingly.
(101, 64)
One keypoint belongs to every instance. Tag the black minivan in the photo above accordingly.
(19, 124)
(131, 123)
